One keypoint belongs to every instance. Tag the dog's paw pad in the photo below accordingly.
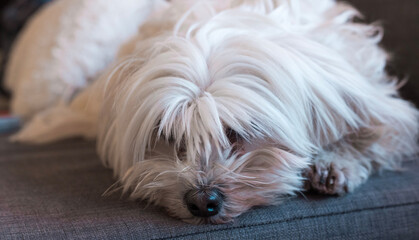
(326, 179)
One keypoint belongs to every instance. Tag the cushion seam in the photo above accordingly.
(291, 220)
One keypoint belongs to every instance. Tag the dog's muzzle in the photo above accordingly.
(204, 202)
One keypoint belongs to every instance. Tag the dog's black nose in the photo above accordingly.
(204, 202)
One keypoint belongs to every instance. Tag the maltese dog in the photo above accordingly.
(214, 107)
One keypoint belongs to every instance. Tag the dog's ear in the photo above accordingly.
(270, 160)
(267, 174)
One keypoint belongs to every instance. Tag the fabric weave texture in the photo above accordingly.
(55, 192)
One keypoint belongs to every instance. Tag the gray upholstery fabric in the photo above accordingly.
(54, 192)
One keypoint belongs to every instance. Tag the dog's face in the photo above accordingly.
(210, 125)
(199, 135)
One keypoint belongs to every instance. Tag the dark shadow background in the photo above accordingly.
(400, 19)
(13, 15)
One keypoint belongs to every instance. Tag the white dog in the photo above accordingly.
(218, 106)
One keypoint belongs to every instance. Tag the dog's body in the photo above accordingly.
(215, 108)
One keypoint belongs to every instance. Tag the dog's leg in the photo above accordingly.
(387, 136)
(54, 124)
(342, 166)
(64, 120)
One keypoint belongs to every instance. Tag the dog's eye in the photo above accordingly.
(233, 136)
(169, 139)
(181, 147)
(181, 150)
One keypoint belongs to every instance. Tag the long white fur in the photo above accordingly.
(65, 47)
(298, 80)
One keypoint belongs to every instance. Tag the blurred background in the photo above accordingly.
(400, 19)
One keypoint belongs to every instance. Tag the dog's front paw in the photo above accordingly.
(326, 179)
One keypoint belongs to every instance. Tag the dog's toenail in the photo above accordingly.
(331, 182)
(323, 177)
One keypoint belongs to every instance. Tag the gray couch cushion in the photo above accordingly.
(54, 191)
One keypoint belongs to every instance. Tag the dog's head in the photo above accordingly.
(222, 118)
